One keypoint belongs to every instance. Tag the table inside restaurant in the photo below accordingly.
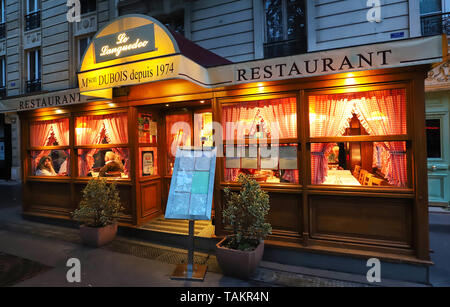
(340, 177)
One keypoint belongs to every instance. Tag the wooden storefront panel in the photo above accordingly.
(150, 198)
(50, 195)
(385, 221)
(285, 212)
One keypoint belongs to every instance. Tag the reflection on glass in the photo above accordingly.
(274, 164)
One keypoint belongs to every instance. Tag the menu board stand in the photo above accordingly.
(190, 198)
(190, 271)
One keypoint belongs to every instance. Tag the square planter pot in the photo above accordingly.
(237, 263)
(98, 236)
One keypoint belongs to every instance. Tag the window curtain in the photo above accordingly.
(328, 116)
(384, 113)
(380, 113)
(116, 132)
(40, 132)
(278, 113)
(88, 132)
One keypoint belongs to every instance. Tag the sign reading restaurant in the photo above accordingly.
(377, 56)
(52, 99)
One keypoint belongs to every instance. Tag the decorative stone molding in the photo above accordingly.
(32, 39)
(2, 48)
(88, 24)
(438, 78)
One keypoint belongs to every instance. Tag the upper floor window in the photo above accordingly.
(83, 43)
(173, 21)
(285, 27)
(2, 77)
(2, 19)
(434, 17)
(2, 11)
(34, 71)
(88, 6)
(33, 16)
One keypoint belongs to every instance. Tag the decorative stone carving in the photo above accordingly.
(32, 39)
(439, 77)
(88, 24)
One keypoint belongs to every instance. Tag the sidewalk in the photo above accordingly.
(131, 262)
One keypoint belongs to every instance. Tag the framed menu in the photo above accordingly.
(148, 163)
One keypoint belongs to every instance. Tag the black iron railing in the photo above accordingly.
(34, 85)
(435, 24)
(33, 20)
(2, 30)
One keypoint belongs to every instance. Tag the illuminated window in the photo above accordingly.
(105, 138)
(343, 117)
(49, 147)
(261, 140)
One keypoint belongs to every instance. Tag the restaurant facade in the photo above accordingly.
(335, 137)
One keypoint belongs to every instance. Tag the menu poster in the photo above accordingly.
(144, 122)
(147, 163)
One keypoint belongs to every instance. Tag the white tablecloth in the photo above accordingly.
(340, 177)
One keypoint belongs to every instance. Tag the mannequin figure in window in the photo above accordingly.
(113, 166)
(45, 167)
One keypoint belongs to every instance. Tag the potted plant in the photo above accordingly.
(98, 212)
(239, 254)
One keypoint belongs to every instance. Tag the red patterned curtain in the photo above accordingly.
(328, 116)
(384, 113)
(40, 135)
(116, 131)
(279, 114)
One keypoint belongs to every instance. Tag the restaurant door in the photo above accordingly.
(190, 125)
(161, 129)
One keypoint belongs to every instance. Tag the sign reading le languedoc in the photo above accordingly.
(123, 44)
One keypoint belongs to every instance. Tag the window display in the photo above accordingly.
(98, 131)
(255, 128)
(49, 134)
(384, 161)
(368, 114)
(50, 163)
(103, 162)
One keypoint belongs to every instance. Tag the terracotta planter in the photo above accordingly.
(237, 263)
(98, 236)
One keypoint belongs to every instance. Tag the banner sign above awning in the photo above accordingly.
(400, 53)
